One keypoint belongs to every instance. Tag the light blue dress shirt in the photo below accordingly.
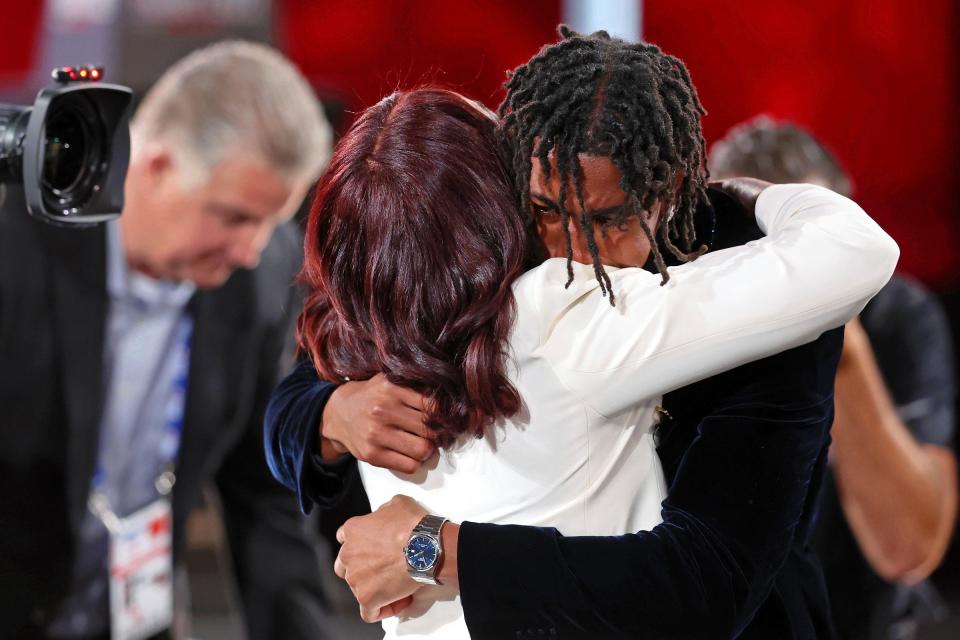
(145, 319)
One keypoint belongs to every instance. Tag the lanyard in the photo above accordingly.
(176, 404)
(173, 415)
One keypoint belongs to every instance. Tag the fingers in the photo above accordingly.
(339, 566)
(380, 423)
(399, 407)
(411, 398)
(394, 608)
(391, 412)
(411, 421)
(372, 453)
(369, 589)
(396, 449)
(407, 444)
(404, 395)
(389, 459)
(375, 614)
(370, 614)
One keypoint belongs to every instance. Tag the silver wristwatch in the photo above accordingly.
(424, 550)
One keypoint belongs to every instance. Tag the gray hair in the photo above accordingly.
(776, 152)
(236, 96)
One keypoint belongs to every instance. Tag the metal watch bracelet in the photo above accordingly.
(430, 526)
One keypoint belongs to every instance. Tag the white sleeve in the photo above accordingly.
(822, 260)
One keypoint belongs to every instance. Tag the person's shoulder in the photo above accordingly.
(283, 255)
(722, 223)
(276, 274)
(28, 245)
(548, 281)
(541, 296)
(901, 297)
(911, 339)
(548, 293)
(271, 286)
(903, 314)
(281, 258)
(22, 235)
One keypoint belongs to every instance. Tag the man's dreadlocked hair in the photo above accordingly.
(606, 97)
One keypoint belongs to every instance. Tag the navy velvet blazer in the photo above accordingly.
(744, 454)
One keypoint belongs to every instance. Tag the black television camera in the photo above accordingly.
(66, 156)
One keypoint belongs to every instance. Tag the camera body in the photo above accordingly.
(68, 153)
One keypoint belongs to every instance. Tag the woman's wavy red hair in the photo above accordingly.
(413, 242)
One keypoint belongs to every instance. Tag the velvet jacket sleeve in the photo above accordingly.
(291, 430)
(738, 493)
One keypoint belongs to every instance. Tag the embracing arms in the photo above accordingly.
(822, 260)
(310, 424)
(740, 492)
(700, 546)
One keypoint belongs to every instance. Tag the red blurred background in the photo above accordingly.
(19, 31)
(875, 79)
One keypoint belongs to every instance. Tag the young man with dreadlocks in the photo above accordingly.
(604, 138)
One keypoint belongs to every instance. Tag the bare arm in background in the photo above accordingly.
(899, 495)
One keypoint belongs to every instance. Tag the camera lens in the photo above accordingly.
(74, 154)
(68, 152)
(64, 151)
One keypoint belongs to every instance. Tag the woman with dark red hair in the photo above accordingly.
(541, 392)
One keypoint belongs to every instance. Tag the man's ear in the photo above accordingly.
(158, 163)
(660, 210)
(677, 182)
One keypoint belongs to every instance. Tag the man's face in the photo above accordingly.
(202, 234)
(624, 245)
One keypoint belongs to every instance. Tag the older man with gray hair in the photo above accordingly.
(136, 360)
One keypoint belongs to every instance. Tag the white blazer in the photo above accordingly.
(580, 455)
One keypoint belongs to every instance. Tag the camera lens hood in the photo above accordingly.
(70, 151)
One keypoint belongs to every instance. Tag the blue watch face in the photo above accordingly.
(421, 552)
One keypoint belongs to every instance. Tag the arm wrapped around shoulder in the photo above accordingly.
(821, 261)
(862, 253)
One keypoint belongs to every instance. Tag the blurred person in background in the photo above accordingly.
(136, 360)
(890, 500)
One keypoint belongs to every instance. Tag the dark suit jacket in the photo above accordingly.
(744, 453)
(53, 306)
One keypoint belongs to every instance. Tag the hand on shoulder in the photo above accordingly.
(377, 422)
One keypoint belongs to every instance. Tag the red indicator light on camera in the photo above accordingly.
(70, 74)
